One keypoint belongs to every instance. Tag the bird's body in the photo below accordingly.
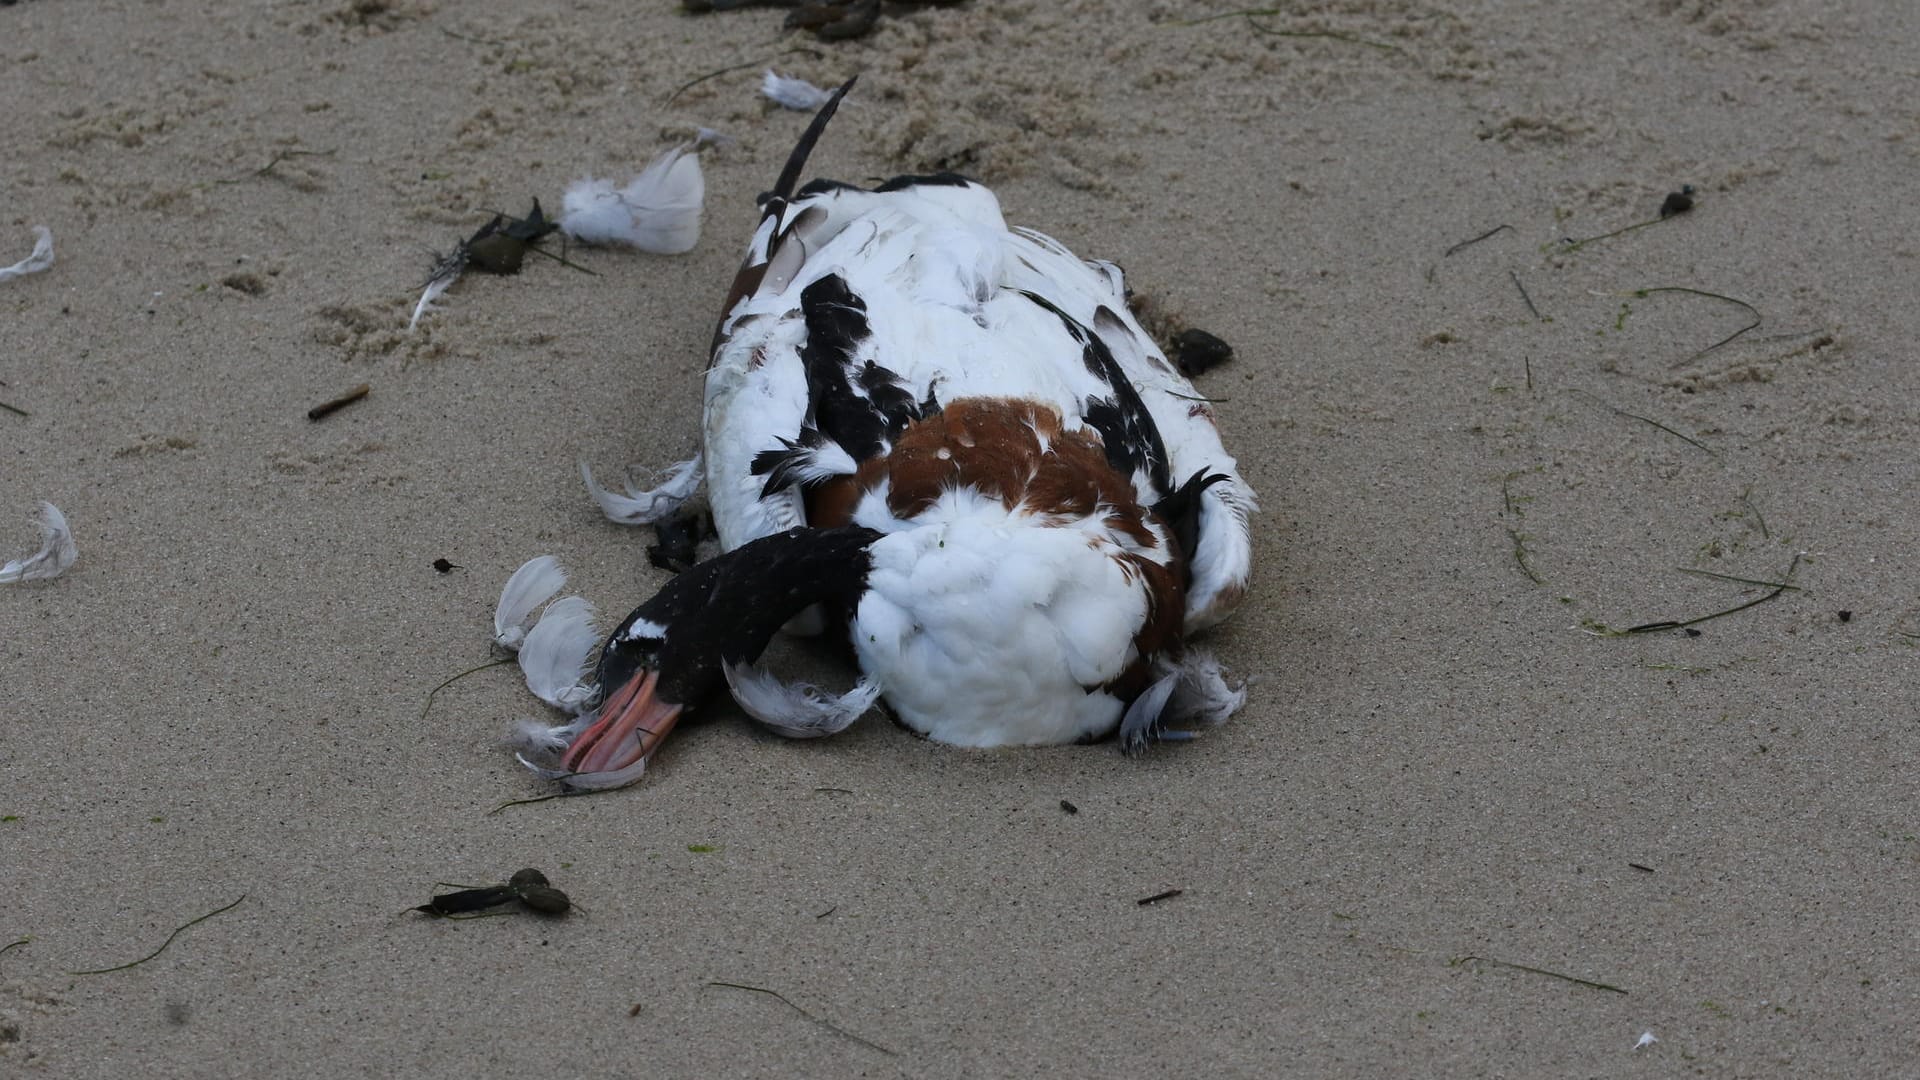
(953, 443)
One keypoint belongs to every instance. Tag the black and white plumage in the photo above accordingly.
(950, 442)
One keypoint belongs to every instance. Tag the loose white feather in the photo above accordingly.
(537, 737)
(41, 258)
(545, 740)
(530, 586)
(797, 710)
(677, 485)
(557, 655)
(1141, 725)
(445, 273)
(793, 93)
(657, 211)
(57, 551)
(1646, 1039)
(1203, 694)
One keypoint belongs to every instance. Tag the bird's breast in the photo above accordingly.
(1019, 591)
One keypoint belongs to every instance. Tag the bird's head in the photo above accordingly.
(675, 651)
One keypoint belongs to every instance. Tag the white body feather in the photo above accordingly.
(533, 584)
(988, 633)
(40, 259)
(56, 555)
(791, 93)
(557, 656)
(797, 710)
(657, 211)
(677, 485)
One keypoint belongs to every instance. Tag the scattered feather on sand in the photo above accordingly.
(793, 93)
(537, 580)
(797, 710)
(41, 258)
(57, 551)
(657, 211)
(637, 507)
(557, 656)
(1203, 695)
(1646, 1040)
(445, 273)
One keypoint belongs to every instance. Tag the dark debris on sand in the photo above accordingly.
(829, 20)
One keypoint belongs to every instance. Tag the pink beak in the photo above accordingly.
(613, 751)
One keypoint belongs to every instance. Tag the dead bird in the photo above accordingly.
(947, 443)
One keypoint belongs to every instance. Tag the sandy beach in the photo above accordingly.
(1498, 409)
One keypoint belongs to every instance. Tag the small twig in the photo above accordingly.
(279, 157)
(562, 260)
(1648, 628)
(1228, 15)
(1249, 13)
(1157, 897)
(1511, 504)
(288, 155)
(15, 411)
(526, 802)
(1755, 511)
(1655, 423)
(424, 709)
(1536, 311)
(1641, 866)
(1195, 397)
(828, 1024)
(547, 798)
(1349, 38)
(474, 40)
(1469, 243)
(1683, 438)
(164, 944)
(1520, 554)
(1754, 311)
(686, 86)
(1741, 580)
(1539, 971)
(1528, 362)
(11, 945)
(1569, 245)
(341, 402)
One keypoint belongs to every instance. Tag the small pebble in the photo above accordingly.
(1677, 202)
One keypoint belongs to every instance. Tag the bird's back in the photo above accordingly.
(866, 313)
